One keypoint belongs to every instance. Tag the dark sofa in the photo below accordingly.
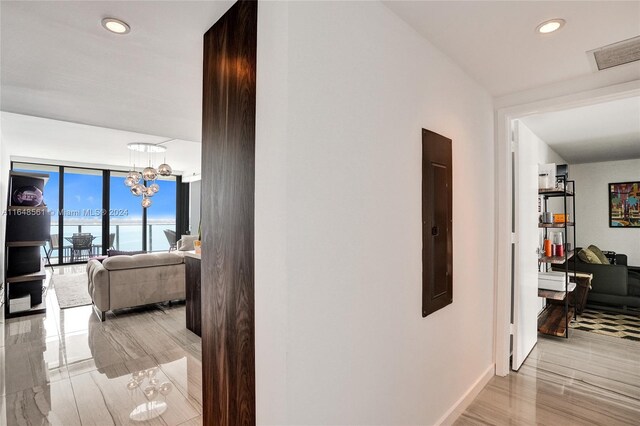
(615, 286)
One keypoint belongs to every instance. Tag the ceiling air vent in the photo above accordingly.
(615, 54)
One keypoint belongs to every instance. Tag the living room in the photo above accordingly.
(314, 286)
(65, 345)
(60, 326)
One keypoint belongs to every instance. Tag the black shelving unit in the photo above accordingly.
(555, 317)
(28, 228)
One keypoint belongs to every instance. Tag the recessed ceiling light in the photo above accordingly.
(550, 26)
(115, 26)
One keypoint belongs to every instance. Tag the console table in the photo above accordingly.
(192, 290)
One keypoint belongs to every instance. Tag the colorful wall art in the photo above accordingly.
(624, 205)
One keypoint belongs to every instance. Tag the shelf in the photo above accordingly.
(26, 243)
(27, 231)
(554, 192)
(555, 295)
(555, 225)
(37, 309)
(42, 176)
(556, 259)
(552, 320)
(34, 276)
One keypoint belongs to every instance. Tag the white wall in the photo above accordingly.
(339, 189)
(592, 206)
(547, 155)
(270, 246)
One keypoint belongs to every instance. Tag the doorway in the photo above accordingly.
(507, 324)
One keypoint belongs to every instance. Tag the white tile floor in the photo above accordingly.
(67, 368)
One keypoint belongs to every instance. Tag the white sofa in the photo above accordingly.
(127, 281)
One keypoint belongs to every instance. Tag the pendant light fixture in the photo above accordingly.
(136, 180)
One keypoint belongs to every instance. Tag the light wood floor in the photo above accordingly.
(67, 368)
(588, 379)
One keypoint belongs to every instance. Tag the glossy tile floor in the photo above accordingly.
(588, 379)
(67, 368)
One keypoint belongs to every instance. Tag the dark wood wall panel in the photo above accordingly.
(228, 175)
(437, 223)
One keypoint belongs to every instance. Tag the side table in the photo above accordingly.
(192, 292)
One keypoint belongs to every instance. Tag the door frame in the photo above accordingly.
(503, 119)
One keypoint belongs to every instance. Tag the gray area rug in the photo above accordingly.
(71, 290)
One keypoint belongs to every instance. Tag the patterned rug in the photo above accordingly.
(609, 324)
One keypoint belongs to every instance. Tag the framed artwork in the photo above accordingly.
(624, 205)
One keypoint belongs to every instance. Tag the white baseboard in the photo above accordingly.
(465, 400)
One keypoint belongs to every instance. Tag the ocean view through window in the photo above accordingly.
(81, 210)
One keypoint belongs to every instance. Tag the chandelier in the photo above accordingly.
(136, 180)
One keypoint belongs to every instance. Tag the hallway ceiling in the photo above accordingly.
(58, 62)
(495, 41)
(606, 131)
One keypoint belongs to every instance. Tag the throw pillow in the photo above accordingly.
(600, 255)
(588, 256)
(112, 252)
(186, 242)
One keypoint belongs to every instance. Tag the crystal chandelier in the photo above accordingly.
(135, 180)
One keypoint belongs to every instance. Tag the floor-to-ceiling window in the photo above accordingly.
(161, 216)
(125, 215)
(75, 199)
(82, 201)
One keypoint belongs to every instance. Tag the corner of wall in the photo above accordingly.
(467, 398)
(271, 300)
